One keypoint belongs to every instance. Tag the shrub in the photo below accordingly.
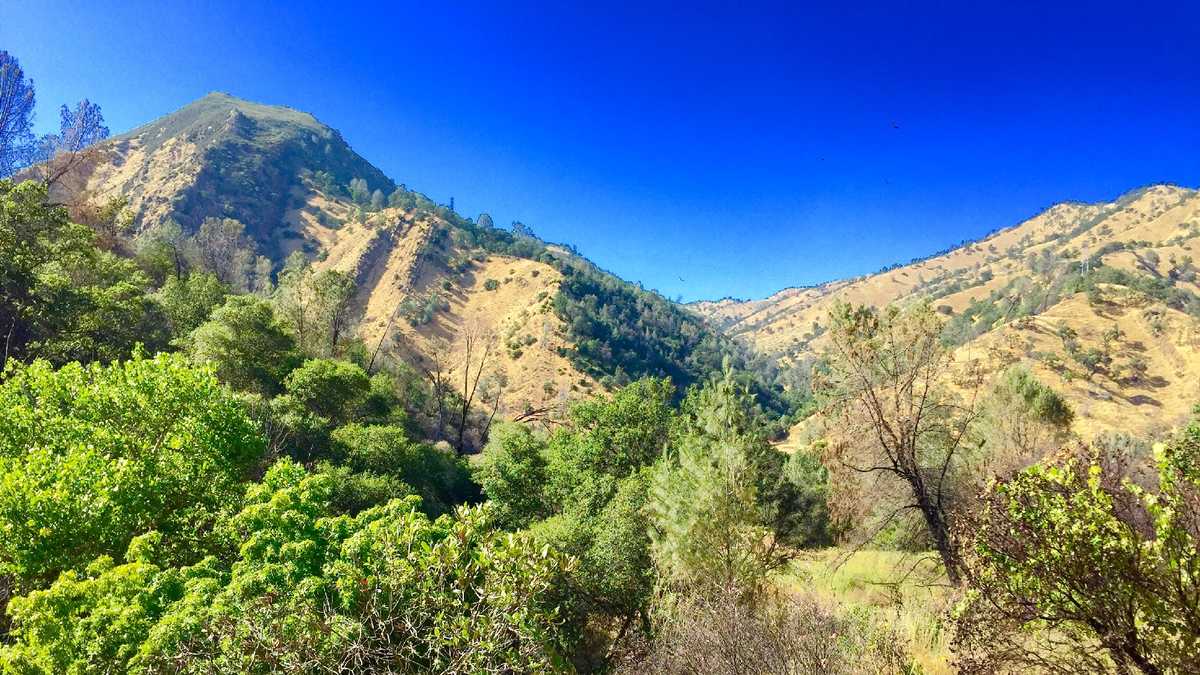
(92, 456)
(783, 634)
(1040, 540)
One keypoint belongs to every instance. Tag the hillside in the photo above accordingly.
(426, 277)
(222, 157)
(1100, 300)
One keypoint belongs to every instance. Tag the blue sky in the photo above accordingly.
(707, 150)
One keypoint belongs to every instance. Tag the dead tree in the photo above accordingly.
(896, 424)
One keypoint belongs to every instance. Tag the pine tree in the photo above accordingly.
(711, 530)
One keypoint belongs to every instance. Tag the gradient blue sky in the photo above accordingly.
(704, 150)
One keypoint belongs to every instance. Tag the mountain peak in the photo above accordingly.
(226, 157)
(214, 109)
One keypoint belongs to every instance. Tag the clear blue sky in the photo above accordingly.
(704, 150)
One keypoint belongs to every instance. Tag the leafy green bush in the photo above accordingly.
(331, 389)
(92, 456)
(440, 477)
(1040, 540)
(246, 345)
(385, 590)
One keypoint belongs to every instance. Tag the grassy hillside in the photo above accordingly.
(425, 276)
(223, 157)
(1122, 269)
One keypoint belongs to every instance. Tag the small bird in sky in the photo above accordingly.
(895, 125)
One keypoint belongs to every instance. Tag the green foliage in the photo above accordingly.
(810, 505)
(723, 413)
(440, 477)
(357, 491)
(162, 251)
(64, 299)
(1017, 387)
(711, 526)
(358, 190)
(188, 302)
(246, 345)
(616, 571)
(583, 491)
(332, 389)
(92, 456)
(513, 474)
(94, 621)
(308, 590)
(1042, 536)
(623, 332)
(618, 435)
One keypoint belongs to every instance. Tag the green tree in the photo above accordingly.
(107, 611)
(162, 251)
(91, 456)
(63, 298)
(188, 302)
(332, 389)
(583, 492)
(513, 474)
(246, 345)
(711, 531)
(402, 199)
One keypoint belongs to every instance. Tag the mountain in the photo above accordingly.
(1099, 300)
(426, 277)
(224, 157)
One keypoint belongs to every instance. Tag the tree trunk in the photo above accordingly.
(939, 530)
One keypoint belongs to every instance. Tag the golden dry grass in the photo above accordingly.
(1163, 219)
(902, 590)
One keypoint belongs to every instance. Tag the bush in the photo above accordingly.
(1039, 540)
(310, 591)
(331, 389)
(440, 477)
(93, 456)
(783, 634)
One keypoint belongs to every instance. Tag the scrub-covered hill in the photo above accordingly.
(553, 324)
(1100, 300)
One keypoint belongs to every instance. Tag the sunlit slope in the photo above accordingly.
(283, 174)
(1020, 290)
